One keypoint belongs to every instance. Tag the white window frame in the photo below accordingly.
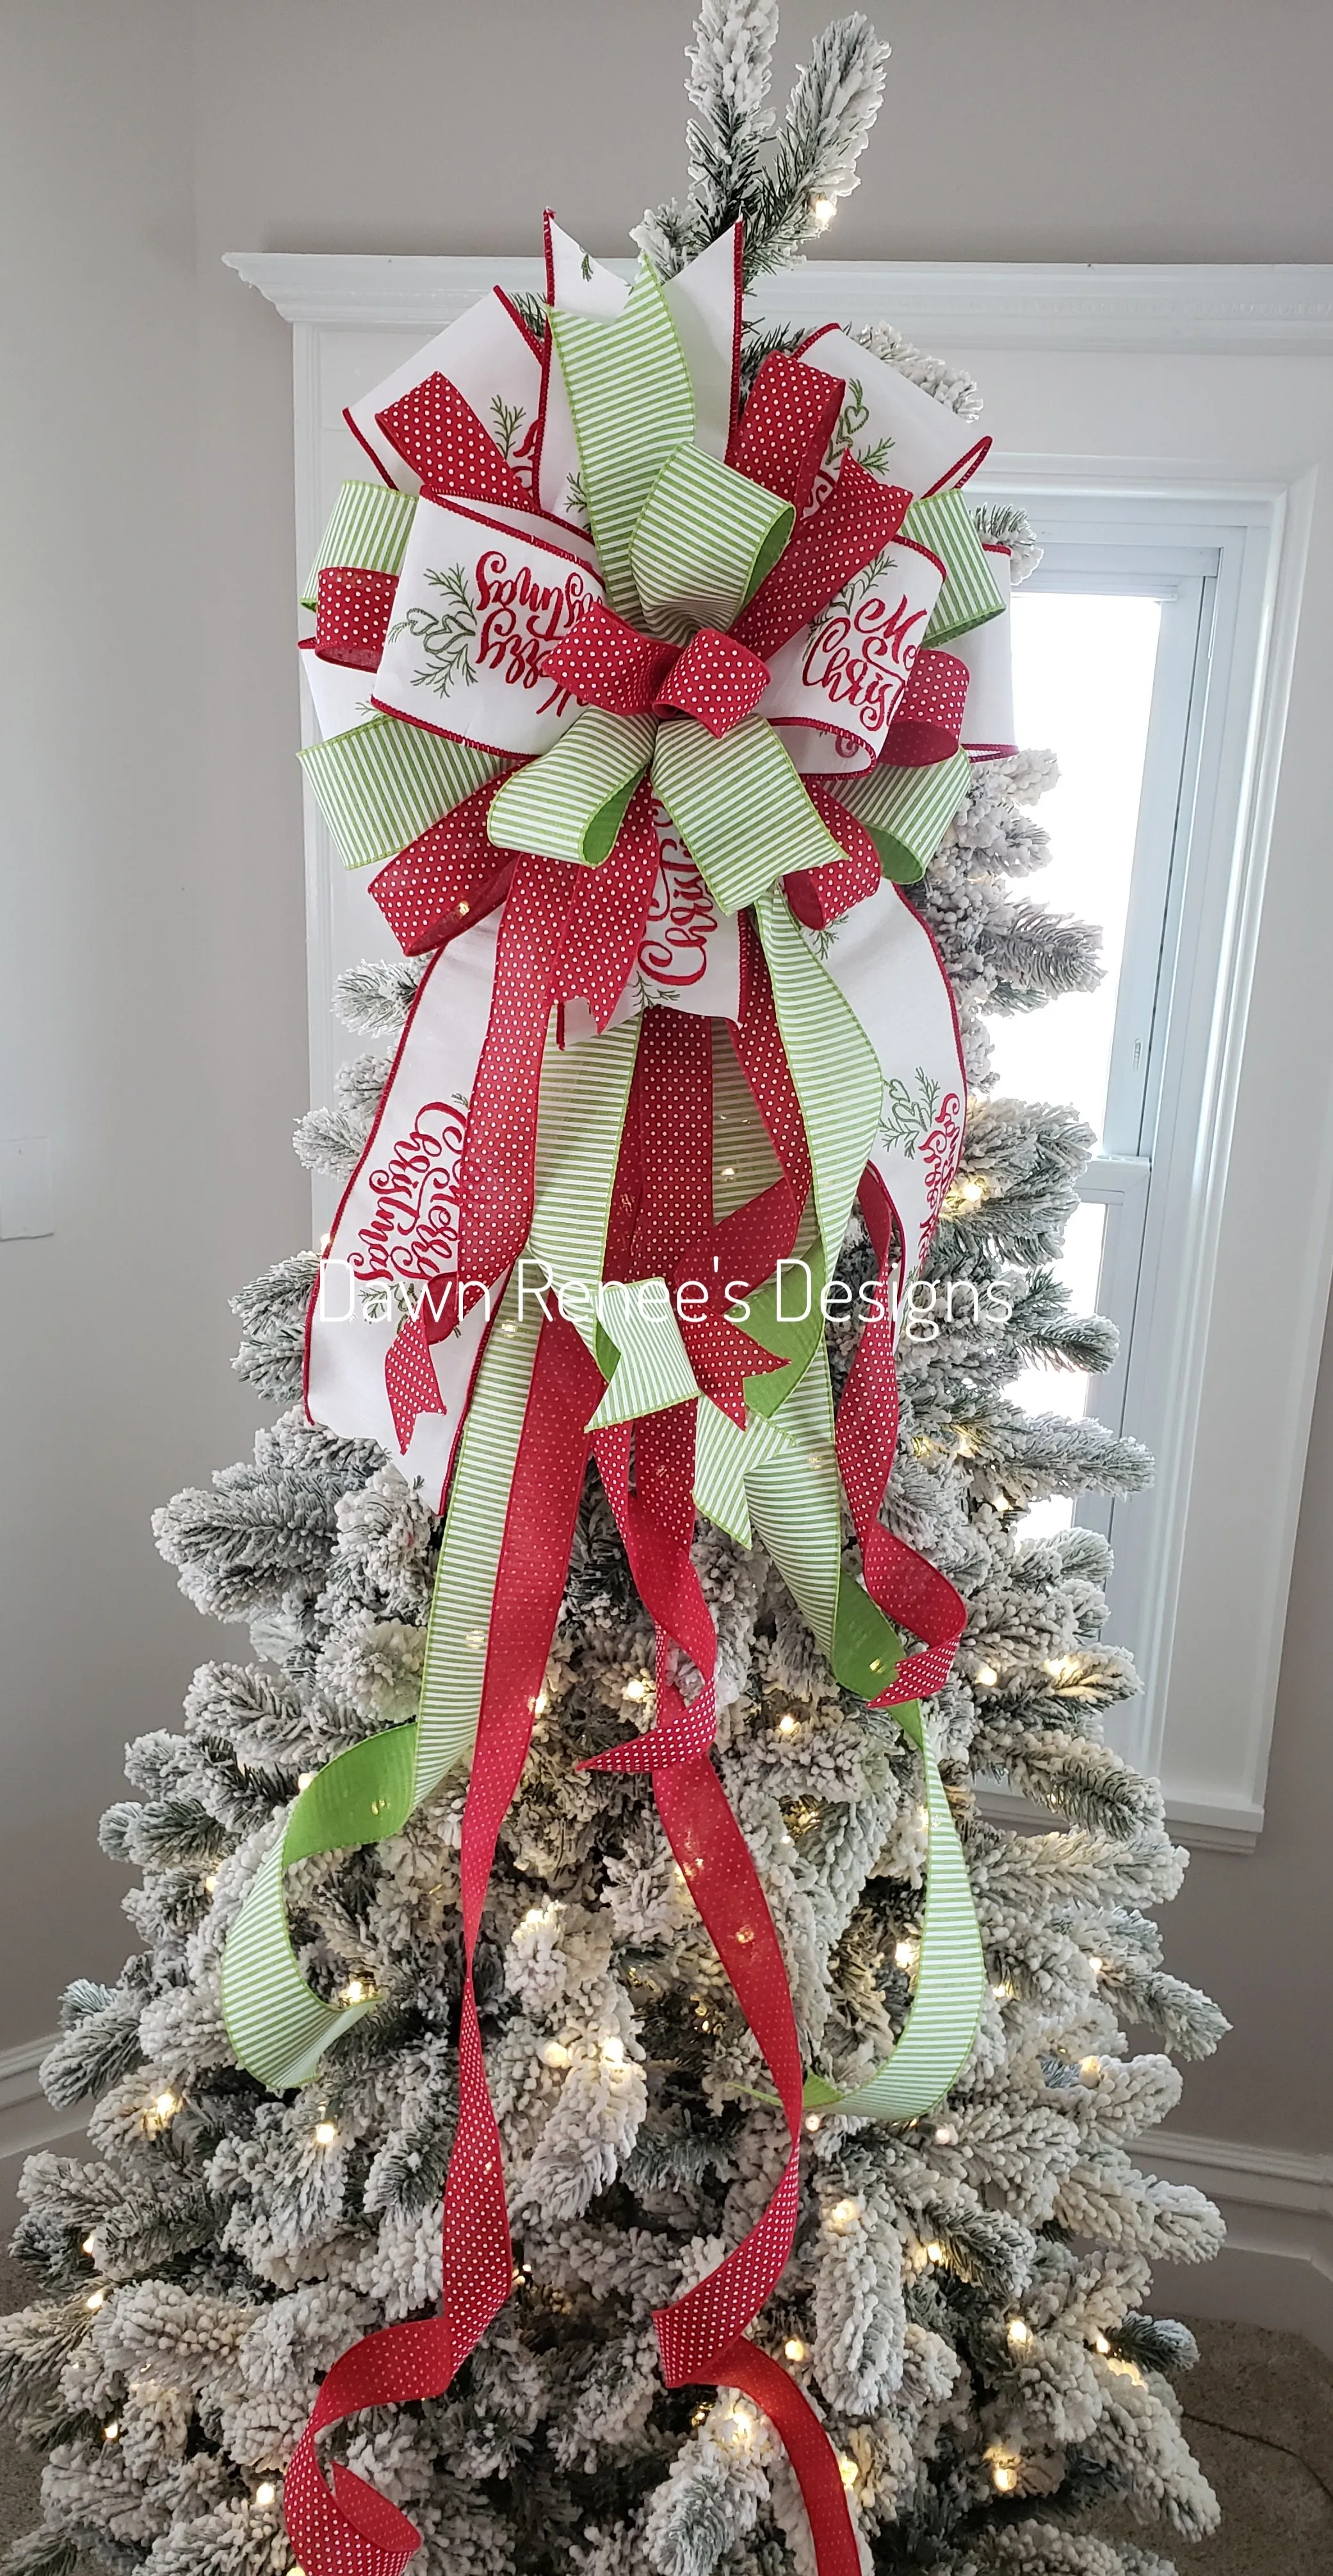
(1206, 393)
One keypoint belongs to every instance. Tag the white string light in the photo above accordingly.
(904, 1954)
(326, 2133)
(266, 2492)
(822, 212)
(794, 2348)
(788, 1725)
(1020, 2332)
(111, 2431)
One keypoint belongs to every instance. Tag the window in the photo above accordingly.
(1131, 642)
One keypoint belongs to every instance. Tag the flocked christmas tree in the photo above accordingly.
(965, 2302)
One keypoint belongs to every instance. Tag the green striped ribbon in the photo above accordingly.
(570, 803)
(794, 1501)
(833, 1065)
(702, 544)
(632, 404)
(944, 525)
(652, 1371)
(278, 2027)
(368, 528)
(739, 807)
(908, 811)
(383, 784)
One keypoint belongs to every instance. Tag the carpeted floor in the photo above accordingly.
(1261, 2421)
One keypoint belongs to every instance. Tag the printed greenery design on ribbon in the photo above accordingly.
(582, 1156)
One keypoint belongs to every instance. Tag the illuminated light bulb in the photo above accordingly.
(96, 2299)
(554, 2053)
(794, 2348)
(904, 1954)
(637, 1690)
(946, 2136)
(971, 1192)
(1020, 2332)
(1100, 2344)
(542, 1702)
(934, 2252)
(88, 2245)
(813, 2122)
(613, 2049)
(923, 1819)
(304, 1778)
(354, 1992)
(326, 2133)
(166, 2106)
(535, 1914)
(266, 2492)
(788, 1725)
(111, 2431)
(1090, 2068)
(985, 1677)
(1003, 1991)
(1004, 2478)
(211, 1883)
(1055, 1666)
(1002, 1505)
(822, 211)
(463, 910)
(847, 2470)
(1098, 1967)
(843, 2216)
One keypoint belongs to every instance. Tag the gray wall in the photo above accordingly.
(153, 1017)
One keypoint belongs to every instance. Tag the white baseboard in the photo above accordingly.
(1276, 2268)
(27, 2120)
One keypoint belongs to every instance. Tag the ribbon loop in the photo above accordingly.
(704, 540)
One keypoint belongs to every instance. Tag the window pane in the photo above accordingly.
(1049, 1390)
(1083, 685)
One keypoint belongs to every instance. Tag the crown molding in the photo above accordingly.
(1210, 309)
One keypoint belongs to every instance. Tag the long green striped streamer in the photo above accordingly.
(702, 544)
(278, 2027)
(908, 811)
(944, 524)
(794, 1503)
(571, 802)
(382, 784)
(739, 807)
(368, 528)
(833, 1065)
